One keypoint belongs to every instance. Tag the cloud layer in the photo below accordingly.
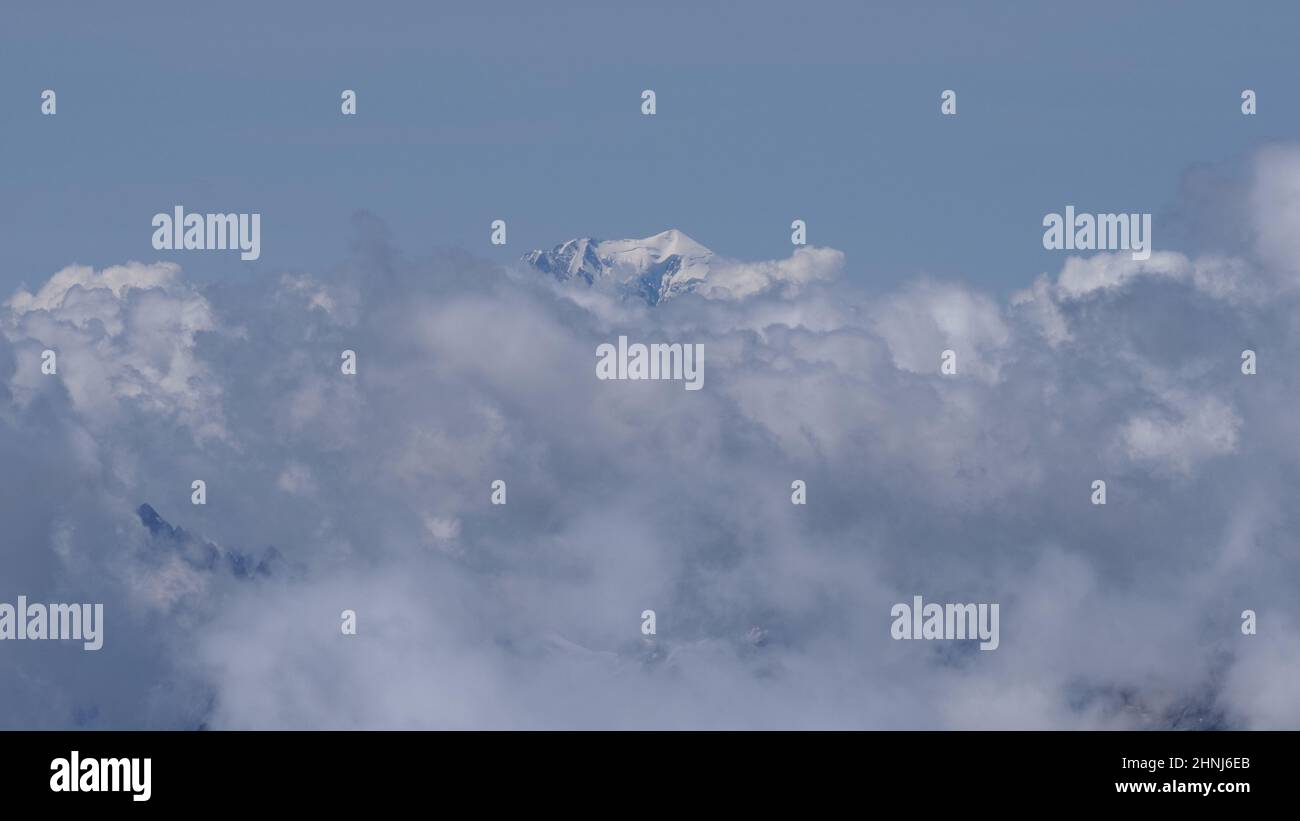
(371, 492)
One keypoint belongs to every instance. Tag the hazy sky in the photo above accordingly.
(768, 112)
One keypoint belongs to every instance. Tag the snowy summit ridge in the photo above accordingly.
(654, 269)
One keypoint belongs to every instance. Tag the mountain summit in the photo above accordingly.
(654, 269)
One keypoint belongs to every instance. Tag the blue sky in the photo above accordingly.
(767, 112)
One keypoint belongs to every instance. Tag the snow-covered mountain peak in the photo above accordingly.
(655, 268)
